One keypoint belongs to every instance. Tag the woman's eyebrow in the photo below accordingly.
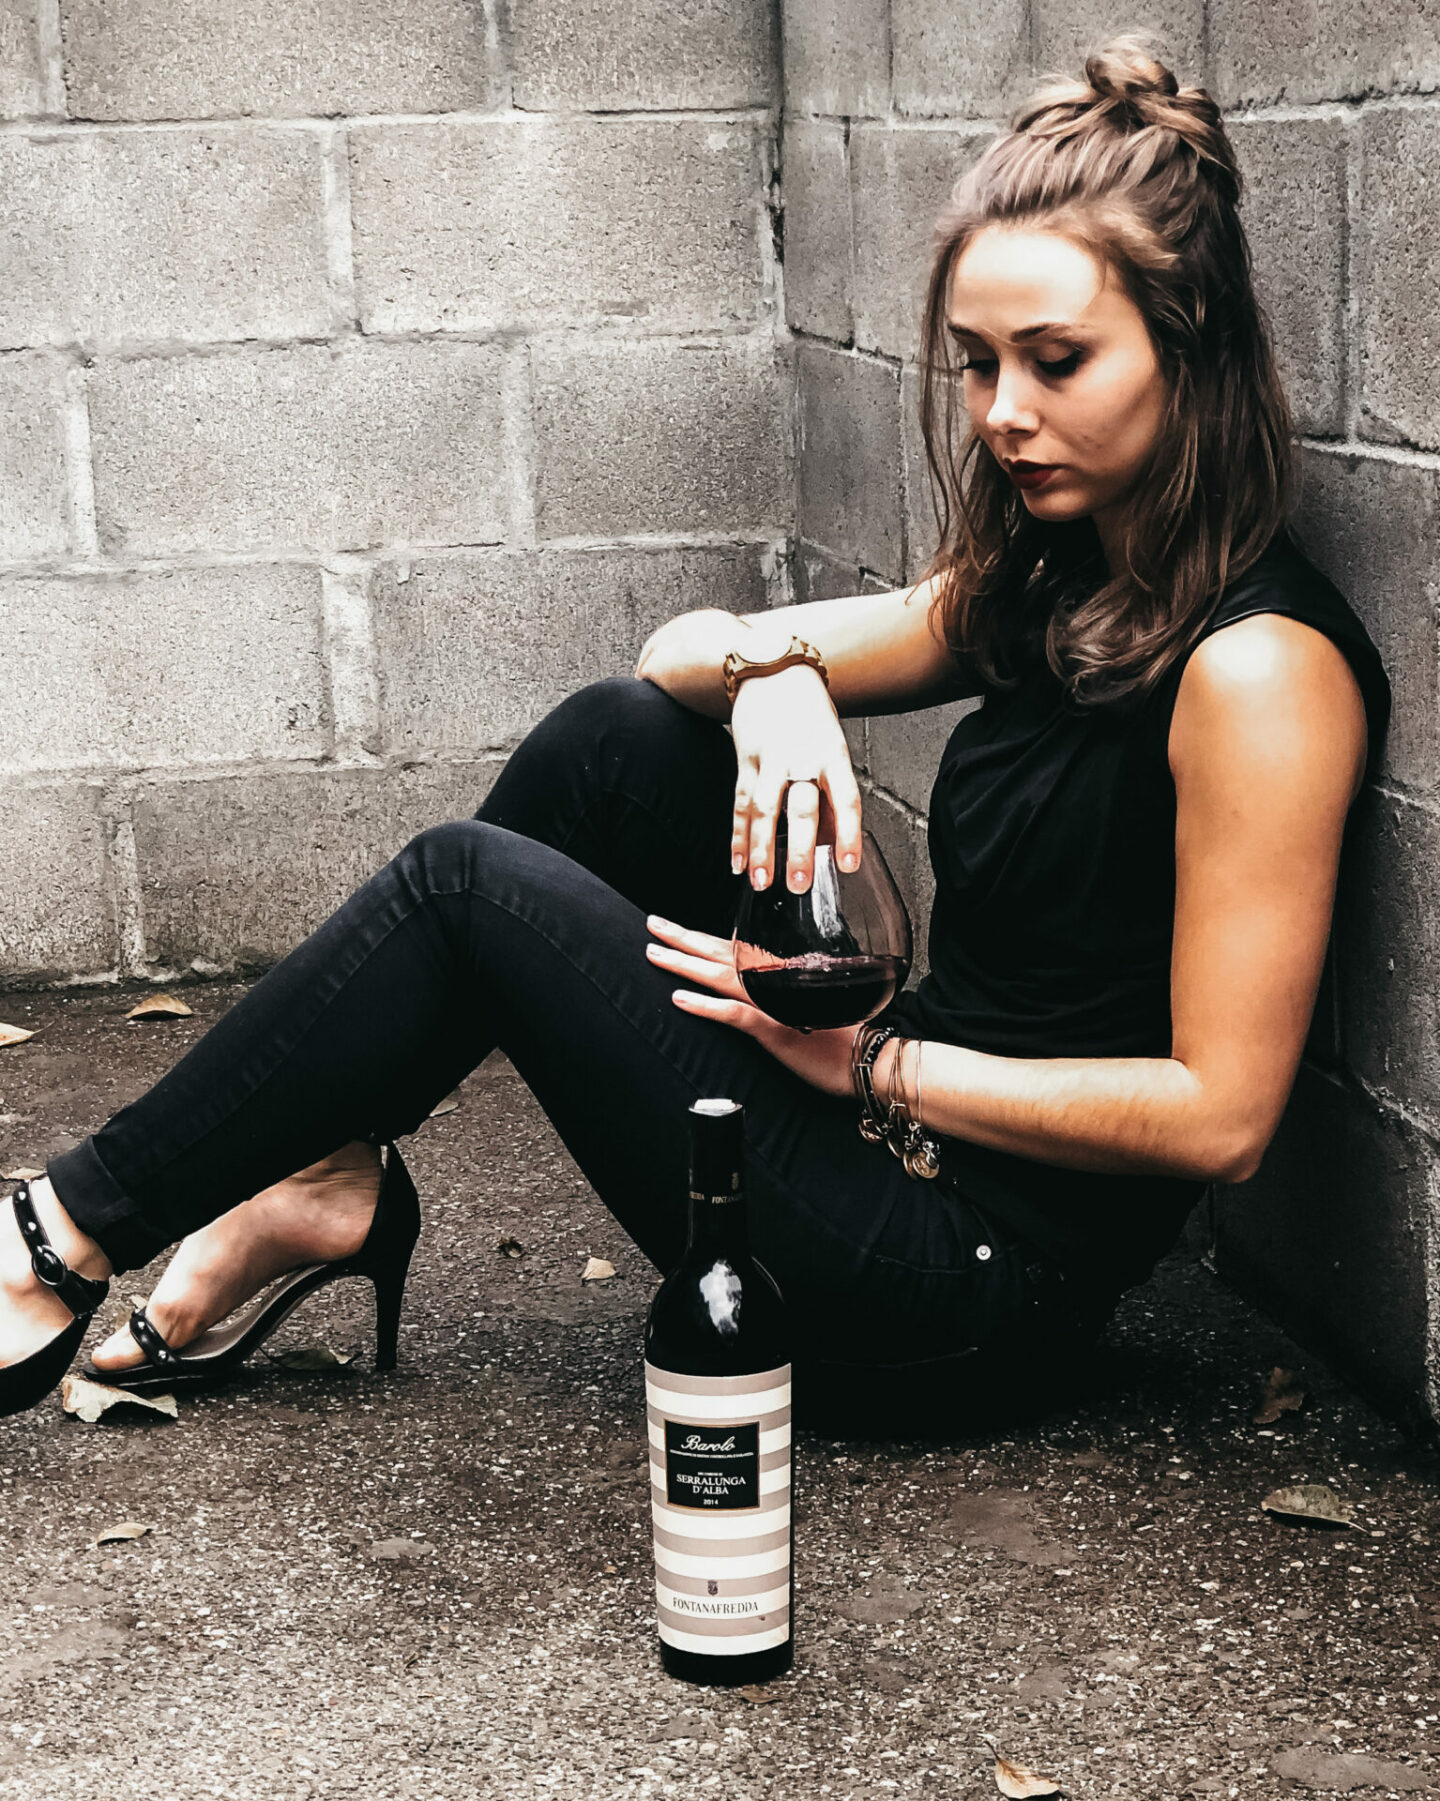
(1022, 336)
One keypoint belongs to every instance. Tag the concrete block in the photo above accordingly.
(235, 871)
(57, 908)
(1374, 527)
(1301, 50)
(902, 179)
(1066, 31)
(836, 57)
(902, 844)
(922, 531)
(905, 749)
(1334, 1235)
(34, 513)
(647, 437)
(741, 578)
(163, 668)
(970, 63)
(1397, 260)
(148, 59)
(456, 674)
(850, 459)
(648, 53)
(199, 234)
(316, 447)
(1294, 211)
(819, 576)
(533, 223)
(1387, 941)
(818, 249)
(22, 84)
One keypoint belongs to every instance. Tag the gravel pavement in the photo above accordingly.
(438, 1583)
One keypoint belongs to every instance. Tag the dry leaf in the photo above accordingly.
(758, 1696)
(310, 1357)
(117, 1535)
(1280, 1396)
(161, 1006)
(1315, 1502)
(1018, 1783)
(88, 1400)
(510, 1247)
(23, 1174)
(449, 1105)
(14, 1034)
(597, 1270)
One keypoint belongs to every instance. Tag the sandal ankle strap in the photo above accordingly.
(81, 1294)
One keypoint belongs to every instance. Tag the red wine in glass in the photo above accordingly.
(815, 990)
(831, 956)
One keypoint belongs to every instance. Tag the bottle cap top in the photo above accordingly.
(717, 1138)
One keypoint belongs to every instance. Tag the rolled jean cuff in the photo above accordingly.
(101, 1208)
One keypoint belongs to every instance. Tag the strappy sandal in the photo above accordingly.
(383, 1259)
(23, 1384)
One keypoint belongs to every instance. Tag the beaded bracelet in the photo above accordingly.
(865, 1047)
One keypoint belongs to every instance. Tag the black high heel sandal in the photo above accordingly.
(23, 1384)
(383, 1259)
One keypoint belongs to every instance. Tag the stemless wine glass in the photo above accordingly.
(831, 956)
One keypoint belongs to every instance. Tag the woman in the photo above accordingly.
(1135, 842)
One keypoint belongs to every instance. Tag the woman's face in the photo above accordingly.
(1061, 380)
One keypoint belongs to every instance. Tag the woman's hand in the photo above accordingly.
(788, 740)
(820, 1058)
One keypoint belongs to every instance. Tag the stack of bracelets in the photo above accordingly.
(893, 1122)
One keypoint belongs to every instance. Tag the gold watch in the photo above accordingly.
(738, 668)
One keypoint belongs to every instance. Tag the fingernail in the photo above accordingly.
(762, 878)
(849, 860)
(737, 863)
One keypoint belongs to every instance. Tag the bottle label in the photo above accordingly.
(720, 1499)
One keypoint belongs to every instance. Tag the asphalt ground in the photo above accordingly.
(437, 1583)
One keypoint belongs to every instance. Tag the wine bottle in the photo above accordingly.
(717, 1387)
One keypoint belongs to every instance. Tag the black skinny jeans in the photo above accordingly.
(525, 928)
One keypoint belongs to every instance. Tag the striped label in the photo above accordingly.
(720, 1501)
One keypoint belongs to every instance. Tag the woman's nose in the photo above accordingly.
(1010, 407)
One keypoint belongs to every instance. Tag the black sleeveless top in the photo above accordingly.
(1052, 838)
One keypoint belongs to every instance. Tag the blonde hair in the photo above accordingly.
(1140, 171)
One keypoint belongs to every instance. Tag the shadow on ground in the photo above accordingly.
(438, 1583)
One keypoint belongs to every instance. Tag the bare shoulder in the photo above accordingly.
(1269, 691)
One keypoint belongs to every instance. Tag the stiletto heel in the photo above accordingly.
(388, 1293)
(383, 1259)
(23, 1384)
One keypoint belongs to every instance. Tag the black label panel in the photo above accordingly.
(712, 1466)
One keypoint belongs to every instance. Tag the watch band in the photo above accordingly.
(738, 668)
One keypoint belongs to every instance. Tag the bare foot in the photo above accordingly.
(31, 1314)
(317, 1216)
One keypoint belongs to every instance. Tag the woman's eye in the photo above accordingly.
(978, 365)
(1067, 365)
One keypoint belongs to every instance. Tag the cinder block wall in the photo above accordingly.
(371, 376)
(1338, 126)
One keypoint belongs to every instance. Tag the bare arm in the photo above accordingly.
(880, 650)
(1267, 749)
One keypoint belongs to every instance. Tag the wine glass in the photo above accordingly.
(831, 956)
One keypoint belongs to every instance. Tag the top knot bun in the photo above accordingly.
(1125, 70)
(1127, 91)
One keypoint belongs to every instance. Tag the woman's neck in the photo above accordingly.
(1109, 528)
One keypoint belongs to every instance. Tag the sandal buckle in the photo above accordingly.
(49, 1266)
